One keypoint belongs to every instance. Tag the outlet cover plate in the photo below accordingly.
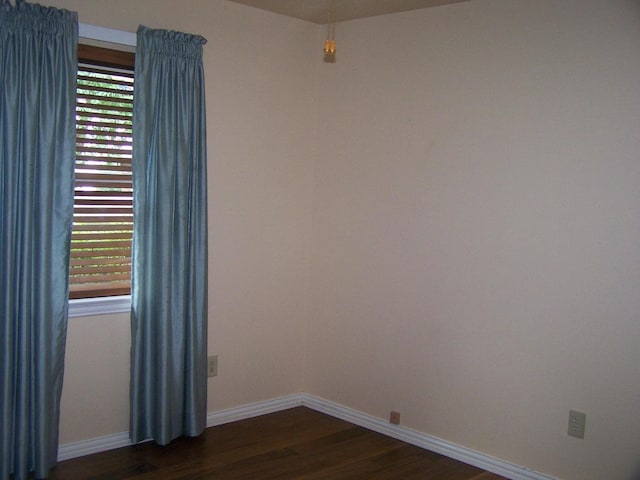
(394, 418)
(577, 423)
(212, 365)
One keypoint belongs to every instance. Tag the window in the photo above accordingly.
(100, 264)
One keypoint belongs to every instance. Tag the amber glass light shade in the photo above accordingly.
(329, 47)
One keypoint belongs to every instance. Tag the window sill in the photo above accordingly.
(85, 307)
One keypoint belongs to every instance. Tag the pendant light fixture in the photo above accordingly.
(330, 42)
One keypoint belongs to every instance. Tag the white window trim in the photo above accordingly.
(94, 32)
(84, 307)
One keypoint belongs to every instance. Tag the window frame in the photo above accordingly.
(83, 307)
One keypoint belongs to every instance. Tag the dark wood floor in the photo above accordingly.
(294, 444)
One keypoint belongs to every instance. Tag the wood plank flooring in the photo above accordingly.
(298, 444)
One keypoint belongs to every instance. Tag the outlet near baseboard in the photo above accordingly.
(394, 417)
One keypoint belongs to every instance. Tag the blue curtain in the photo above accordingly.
(37, 152)
(169, 261)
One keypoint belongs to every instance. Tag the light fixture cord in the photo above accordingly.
(331, 20)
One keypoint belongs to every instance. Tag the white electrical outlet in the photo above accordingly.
(212, 366)
(577, 424)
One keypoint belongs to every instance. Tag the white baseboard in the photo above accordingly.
(118, 440)
(253, 410)
(428, 442)
(93, 445)
(434, 444)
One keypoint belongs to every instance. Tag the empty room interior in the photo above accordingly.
(443, 222)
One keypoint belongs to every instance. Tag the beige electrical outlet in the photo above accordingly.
(212, 366)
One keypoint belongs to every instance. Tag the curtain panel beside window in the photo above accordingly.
(169, 259)
(37, 151)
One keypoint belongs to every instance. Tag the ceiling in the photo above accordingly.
(316, 10)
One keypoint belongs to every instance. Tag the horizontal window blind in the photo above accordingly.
(103, 208)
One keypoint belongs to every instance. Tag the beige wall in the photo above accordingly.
(260, 76)
(476, 258)
(475, 204)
